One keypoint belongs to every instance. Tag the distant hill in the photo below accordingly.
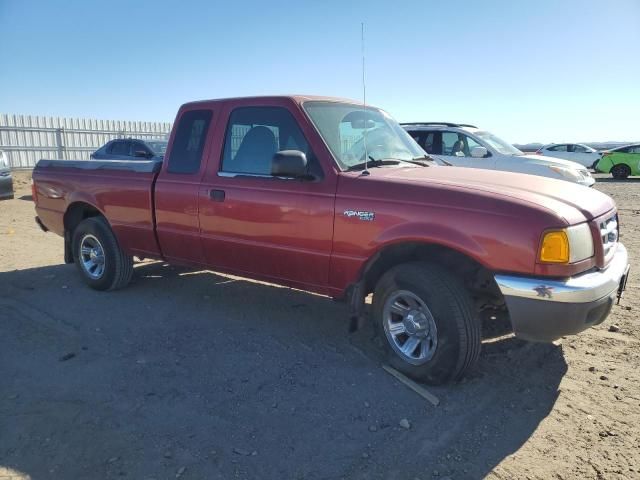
(532, 147)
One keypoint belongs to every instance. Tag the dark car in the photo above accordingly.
(131, 149)
(6, 182)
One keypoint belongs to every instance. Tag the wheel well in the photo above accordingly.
(76, 213)
(477, 279)
(626, 167)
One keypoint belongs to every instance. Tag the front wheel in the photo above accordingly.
(620, 171)
(103, 265)
(426, 319)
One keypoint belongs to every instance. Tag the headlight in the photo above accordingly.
(568, 245)
(568, 173)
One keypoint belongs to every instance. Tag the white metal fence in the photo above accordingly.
(26, 139)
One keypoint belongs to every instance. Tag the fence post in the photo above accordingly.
(60, 143)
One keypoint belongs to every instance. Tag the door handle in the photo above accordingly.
(217, 195)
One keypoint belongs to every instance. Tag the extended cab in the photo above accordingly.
(324, 195)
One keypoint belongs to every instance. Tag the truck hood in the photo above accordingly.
(570, 201)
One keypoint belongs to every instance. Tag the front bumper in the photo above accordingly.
(544, 310)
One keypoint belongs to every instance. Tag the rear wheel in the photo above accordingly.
(426, 319)
(620, 171)
(97, 255)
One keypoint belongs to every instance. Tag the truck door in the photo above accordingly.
(270, 227)
(176, 190)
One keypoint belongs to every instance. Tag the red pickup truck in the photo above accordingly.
(325, 195)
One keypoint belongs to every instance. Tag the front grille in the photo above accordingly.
(609, 234)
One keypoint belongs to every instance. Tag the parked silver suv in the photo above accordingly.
(464, 145)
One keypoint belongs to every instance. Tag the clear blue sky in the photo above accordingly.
(542, 70)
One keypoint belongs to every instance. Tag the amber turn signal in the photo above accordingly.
(555, 247)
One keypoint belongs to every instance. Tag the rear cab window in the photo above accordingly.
(188, 144)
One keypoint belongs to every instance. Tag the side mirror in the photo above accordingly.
(289, 163)
(479, 152)
(141, 154)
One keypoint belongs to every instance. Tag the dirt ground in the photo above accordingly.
(195, 375)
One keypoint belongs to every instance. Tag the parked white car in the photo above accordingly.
(465, 145)
(576, 152)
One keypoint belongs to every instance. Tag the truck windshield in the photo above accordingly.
(346, 128)
(497, 143)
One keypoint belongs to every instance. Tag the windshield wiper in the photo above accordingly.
(415, 161)
(433, 159)
(373, 162)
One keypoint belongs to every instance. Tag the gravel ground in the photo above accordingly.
(190, 374)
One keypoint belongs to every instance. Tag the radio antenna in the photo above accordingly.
(364, 105)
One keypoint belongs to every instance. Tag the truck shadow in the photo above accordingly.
(225, 377)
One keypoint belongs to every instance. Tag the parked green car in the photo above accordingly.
(620, 162)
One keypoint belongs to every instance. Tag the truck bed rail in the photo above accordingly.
(139, 166)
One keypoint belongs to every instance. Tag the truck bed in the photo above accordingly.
(121, 190)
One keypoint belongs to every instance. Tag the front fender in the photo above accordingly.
(435, 234)
(347, 269)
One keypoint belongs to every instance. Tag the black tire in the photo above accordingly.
(620, 171)
(458, 337)
(118, 266)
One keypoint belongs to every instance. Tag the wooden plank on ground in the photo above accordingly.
(419, 389)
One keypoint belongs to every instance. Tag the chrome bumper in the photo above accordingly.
(580, 289)
(544, 310)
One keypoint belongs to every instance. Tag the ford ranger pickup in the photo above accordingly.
(332, 197)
